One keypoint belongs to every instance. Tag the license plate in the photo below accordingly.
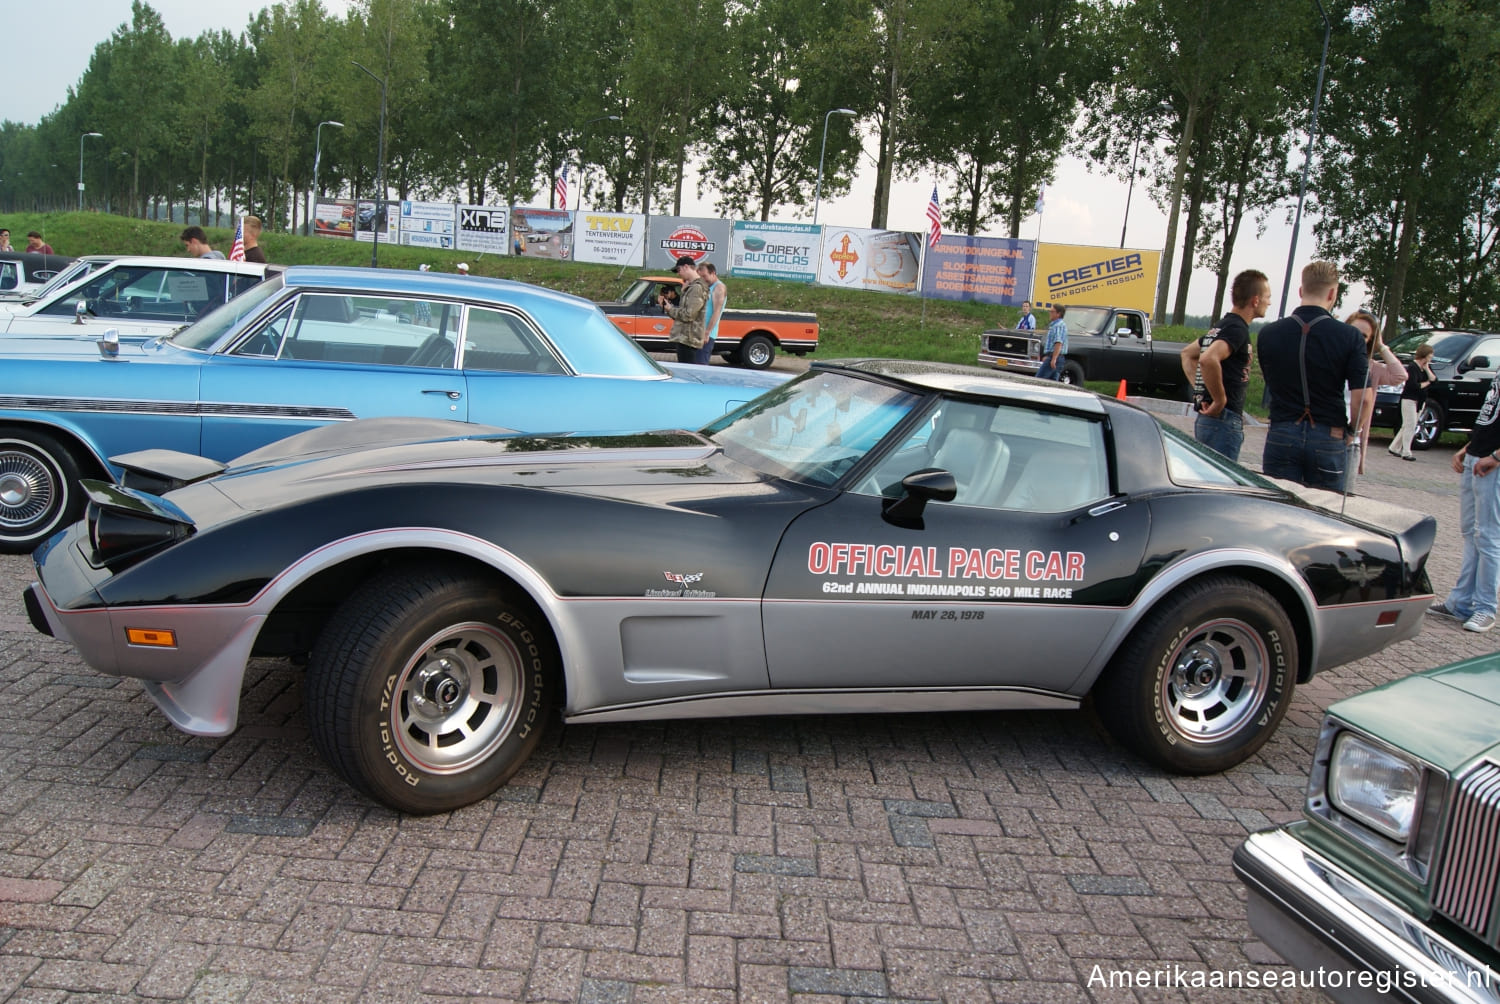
(1002, 362)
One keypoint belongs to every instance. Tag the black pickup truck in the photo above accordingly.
(1104, 343)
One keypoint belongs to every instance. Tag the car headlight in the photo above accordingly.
(1374, 786)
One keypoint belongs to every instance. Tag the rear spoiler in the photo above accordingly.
(1414, 531)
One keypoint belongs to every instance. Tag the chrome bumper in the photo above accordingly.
(1317, 916)
(1009, 363)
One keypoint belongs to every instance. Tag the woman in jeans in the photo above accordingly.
(1419, 377)
(1385, 369)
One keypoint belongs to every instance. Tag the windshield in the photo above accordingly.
(813, 429)
(637, 289)
(1086, 320)
(207, 332)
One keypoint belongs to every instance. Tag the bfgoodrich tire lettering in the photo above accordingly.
(1204, 680)
(429, 688)
(39, 490)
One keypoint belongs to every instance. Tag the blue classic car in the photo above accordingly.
(317, 345)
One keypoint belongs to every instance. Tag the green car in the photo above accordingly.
(1392, 878)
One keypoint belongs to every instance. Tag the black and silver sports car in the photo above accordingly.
(872, 536)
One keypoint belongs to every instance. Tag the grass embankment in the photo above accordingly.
(852, 323)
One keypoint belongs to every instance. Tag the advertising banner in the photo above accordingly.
(428, 224)
(541, 233)
(1109, 277)
(979, 269)
(369, 216)
(482, 229)
(775, 250)
(884, 261)
(670, 237)
(610, 238)
(333, 218)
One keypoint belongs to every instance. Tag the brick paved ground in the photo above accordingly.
(983, 857)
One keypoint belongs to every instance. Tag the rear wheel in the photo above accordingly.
(429, 688)
(756, 352)
(39, 490)
(1429, 426)
(1204, 680)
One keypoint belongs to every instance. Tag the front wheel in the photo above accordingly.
(1072, 373)
(39, 489)
(1429, 426)
(1204, 680)
(756, 352)
(429, 688)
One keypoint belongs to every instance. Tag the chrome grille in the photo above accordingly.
(1466, 882)
(1009, 345)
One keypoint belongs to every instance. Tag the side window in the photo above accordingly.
(382, 331)
(499, 342)
(146, 293)
(8, 275)
(1004, 457)
(1490, 349)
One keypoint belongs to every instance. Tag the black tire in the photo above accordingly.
(39, 489)
(1204, 679)
(1429, 426)
(756, 352)
(1072, 373)
(429, 688)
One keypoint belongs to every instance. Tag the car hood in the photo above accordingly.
(650, 467)
(1434, 715)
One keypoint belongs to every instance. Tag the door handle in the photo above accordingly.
(452, 395)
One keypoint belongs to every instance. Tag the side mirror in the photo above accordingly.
(109, 343)
(1478, 363)
(1114, 337)
(80, 309)
(931, 484)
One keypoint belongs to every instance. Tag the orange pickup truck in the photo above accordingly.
(748, 338)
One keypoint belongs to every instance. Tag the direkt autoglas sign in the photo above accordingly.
(776, 250)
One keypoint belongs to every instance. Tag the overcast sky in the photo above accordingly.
(51, 42)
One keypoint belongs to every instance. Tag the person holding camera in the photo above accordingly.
(1218, 366)
(690, 314)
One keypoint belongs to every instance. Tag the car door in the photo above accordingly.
(1014, 583)
(1466, 393)
(326, 357)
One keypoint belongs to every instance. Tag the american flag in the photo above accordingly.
(237, 249)
(1041, 195)
(934, 220)
(561, 188)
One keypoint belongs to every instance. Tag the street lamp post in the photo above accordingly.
(80, 165)
(818, 192)
(601, 118)
(1312, 137)
(379, 170)
(318, 159)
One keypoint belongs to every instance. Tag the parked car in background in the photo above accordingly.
(748, 338)
(1393, 872)
(23, 272)
(317, 345)
(135, 296)
(1104, 343)
(1464, 363)
(15, 299)
(873, 536)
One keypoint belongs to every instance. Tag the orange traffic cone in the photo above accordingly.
(1120, 394)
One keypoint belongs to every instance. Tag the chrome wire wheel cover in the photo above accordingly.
(458, 698)
(1217, 678)
(28, 487)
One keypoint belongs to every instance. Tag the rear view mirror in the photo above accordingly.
(109, 343)
(80, 309)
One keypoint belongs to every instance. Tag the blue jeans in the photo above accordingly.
(1479, 522)
(1305, 452)
(1223, 434)
(1047, 372)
